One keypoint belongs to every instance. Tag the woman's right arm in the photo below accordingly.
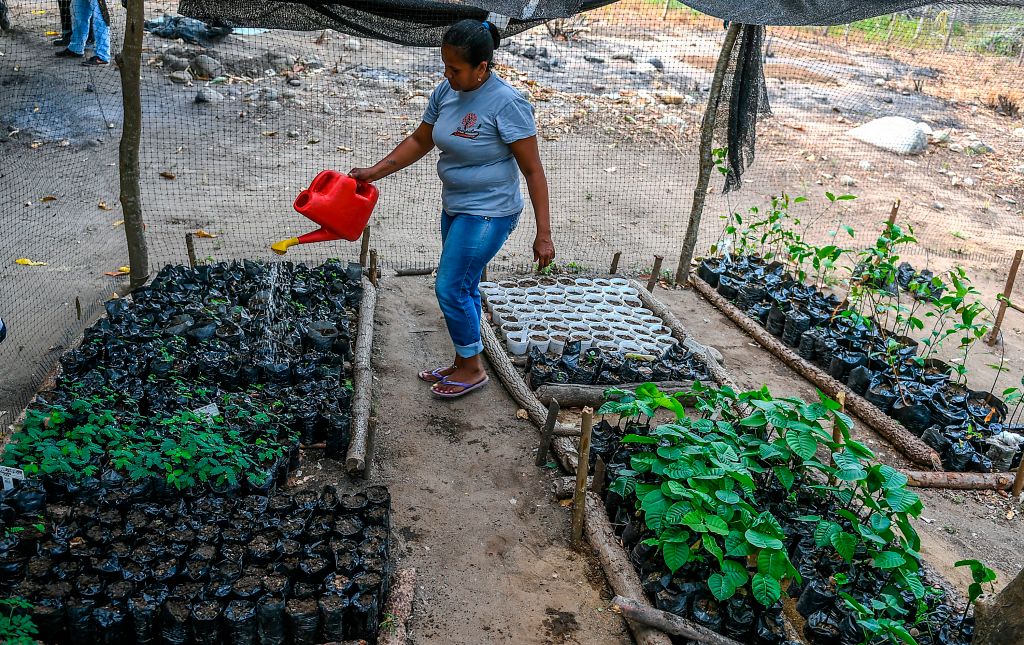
(408, 152)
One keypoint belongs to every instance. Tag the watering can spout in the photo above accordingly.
(282, 247)
(341, 206)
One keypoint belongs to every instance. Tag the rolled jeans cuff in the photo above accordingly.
(469, 351)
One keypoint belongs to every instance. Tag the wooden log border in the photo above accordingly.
(362, 386)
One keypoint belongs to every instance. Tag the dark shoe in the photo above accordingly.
(67, 53)
(95, 61)
(63, 41)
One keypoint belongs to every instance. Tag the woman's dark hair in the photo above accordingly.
(476, 41)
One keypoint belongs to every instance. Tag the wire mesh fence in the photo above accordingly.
(235, 125)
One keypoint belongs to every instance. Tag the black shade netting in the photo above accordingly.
(419, 23)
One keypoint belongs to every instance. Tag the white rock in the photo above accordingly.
(866, 165)
(969, 181)
(418, 101)
(353, 44)
(927, 129)
(956, 147)
(939, 206)
(847, 180)
(208, 95)
(893, 133)
(979, 148)
(880, 82)
(1018, 133)
(940, 136)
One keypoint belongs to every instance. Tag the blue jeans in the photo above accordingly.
(84, 12)
(468, 242)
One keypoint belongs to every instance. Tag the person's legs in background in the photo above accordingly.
(469, 243)
(64, 7)
(86, 16)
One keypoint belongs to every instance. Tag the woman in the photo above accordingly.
(486, 133)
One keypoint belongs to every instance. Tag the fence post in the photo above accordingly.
(615, 263)
(582, 465)
(129, 63)
(949, 29)
(993, 336)
(655, 274)
(707, 134)
(364, 247)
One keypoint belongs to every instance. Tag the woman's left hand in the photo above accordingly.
(543, 250)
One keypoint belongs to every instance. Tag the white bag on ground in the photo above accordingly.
(894, 133)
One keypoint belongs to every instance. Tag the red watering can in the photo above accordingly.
(341, 206)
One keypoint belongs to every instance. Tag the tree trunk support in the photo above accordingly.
(1011, 278)
(190, 248)
(615, 263)
(571, 395)
(706, 161)
(546, 433)
(129, 64)
(398, 608)
(666, 622)
(362, 384)
(364, 247)
(998, 619)
(959, 481)
(579, 498)
(652, 282)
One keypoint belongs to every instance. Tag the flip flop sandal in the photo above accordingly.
(432, 376)
(466, 388)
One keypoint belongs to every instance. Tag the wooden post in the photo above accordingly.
(129, 64)
(372, 273)
(664, 14)
(547, 432)
(949, 29)
(920, 25)
(1020, 56)
(893, 212)
(579, 499)
(892, 26)
(706, 162)
(615, 263)
(655, 274)
(993, 336)
(1018, 481)
(846, 36)
(364, 247)
(190, 248)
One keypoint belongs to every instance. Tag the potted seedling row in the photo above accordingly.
(153, 506)
(729, 509)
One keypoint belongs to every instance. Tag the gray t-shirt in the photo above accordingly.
(472, 130)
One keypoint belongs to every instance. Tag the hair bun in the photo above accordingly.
(495, 36)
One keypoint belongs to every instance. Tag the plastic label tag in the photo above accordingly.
(210, 410)
(8, 475)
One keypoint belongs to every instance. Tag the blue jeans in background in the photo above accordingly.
(84, 12)
(468, 242)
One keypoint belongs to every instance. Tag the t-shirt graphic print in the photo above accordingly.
(473, 130)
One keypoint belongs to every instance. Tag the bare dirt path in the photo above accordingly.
(469, 508)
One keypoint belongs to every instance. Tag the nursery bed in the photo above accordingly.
(515, 381)
(222, 374)
(909, 444)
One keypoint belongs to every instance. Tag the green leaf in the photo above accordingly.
(824, 531)
(802, 443)
(785, 477)
(761, 540)
(901, 500)
(889, 560)
(716, 524)
(676, 554)
(766, 589)
(727, 496)
(844, 544)
(737, 545)
(735, 572)
(711, 546)
(674, 515)
(721, 587)
(772, 563)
